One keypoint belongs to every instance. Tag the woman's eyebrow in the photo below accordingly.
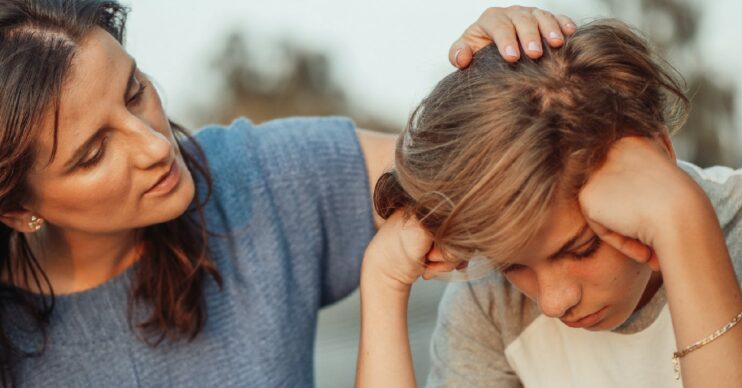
(568, 245)
(82, 149)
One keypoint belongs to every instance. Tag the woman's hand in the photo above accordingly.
(506, 27)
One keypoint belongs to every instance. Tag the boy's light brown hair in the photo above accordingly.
(495, 145)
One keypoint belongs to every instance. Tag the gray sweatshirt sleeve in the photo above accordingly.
(467, 348)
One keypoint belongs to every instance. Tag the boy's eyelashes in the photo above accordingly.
(592, 246)
(588, 250)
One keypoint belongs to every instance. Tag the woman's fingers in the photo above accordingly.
(567, 25)
(460, 54)
(549, 27)
(491, 27)
(511, 28)
(530, 39)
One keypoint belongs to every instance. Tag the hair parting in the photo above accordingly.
(491, 149)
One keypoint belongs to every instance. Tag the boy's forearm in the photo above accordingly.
(703, 295)
(384, 356)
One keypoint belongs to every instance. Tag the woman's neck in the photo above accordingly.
(76, 261)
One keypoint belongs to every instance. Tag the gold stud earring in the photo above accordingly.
(35, 223)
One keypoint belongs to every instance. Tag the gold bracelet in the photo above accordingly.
(677, 355)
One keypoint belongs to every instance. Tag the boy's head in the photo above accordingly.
(493, 159)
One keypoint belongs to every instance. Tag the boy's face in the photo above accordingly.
(575, 277)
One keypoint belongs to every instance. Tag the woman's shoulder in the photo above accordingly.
(279, 149)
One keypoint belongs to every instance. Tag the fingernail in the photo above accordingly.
(533, 46)
(456, 57)
(555, 35)
(569, 25)
(510, 51)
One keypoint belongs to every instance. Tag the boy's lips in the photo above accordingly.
(587, 320)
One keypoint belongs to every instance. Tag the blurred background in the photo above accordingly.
(373, 61)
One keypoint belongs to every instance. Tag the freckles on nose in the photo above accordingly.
(555, 302)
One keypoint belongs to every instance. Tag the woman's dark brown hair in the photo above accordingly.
(38, 40)
(495, 145)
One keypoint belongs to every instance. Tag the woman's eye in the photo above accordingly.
(137, 96)
(94, 159)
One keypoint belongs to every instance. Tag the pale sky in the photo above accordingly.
(386, 54)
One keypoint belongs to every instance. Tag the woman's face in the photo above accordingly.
(575, 277)
(117, 164)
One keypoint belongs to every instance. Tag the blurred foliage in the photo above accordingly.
(300, 83)
(710, 136)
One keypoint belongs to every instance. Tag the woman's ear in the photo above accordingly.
(664, 137)
(23, 221)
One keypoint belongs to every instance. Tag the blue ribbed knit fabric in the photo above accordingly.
(292, 195)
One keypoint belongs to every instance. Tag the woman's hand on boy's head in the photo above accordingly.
(634, 196)
(513, 29)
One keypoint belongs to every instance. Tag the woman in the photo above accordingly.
(562, 175)
(110, 260)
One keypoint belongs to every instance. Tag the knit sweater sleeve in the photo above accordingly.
(306, 180)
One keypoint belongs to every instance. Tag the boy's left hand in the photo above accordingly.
(637, 195)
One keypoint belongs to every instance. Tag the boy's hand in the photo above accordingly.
(637, 195)
(401, 252)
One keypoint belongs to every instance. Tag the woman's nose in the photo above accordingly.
(151, 146)
(557, 294)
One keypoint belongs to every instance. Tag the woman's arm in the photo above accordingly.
(378, 152)
(640, 199)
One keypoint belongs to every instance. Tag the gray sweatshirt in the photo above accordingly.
(489, 334)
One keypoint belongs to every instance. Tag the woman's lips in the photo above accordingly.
(588, 320)
(167, 182)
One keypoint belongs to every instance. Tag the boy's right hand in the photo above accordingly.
(401, 252)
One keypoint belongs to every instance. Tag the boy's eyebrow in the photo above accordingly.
(568, 245)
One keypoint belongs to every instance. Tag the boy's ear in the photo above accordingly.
(21, 220)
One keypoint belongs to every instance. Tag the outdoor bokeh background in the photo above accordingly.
(373, 61)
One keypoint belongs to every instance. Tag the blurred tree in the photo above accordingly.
(709, 137)
(300, 84)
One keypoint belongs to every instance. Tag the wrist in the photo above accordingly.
(691, 223)
(377, 279)
(685, 209)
